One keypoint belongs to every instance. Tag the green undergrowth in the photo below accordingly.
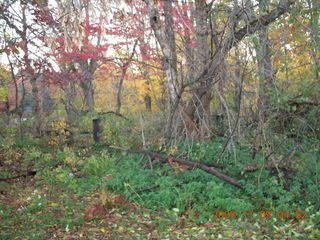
(92, 191)
(196, 192)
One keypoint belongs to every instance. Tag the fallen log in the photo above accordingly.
(186, 162)
(29, 173)
(215, 165)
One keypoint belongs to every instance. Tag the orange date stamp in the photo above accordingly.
(297, 214)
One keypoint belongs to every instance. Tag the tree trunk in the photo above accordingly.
(266, 74)
(170, 61)
(198, 107)
(166, 39)
(124, 68)
(146, 71)
(314, 36)
(238, 82)
(119, 93)
(36, 107)
(87, 69)
(70, 95)
(96, 129)
(32, 76)
(147, 97)
(16, 94)
(88, 91)
(147, 101)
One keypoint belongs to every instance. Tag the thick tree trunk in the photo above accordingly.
(119, 93)
(87, 69)
(70, 95)
(170, 61)
(88, 92)
(166, 39)
(96, 129)
(266, 74)
(36, 107)
(198, 107)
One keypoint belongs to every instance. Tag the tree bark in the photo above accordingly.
(315, 35)
(166, 38)
(70, 95)
(119, 93)
(124, 68)
(86, 85)
(238, 82)
(198, 107)
(36, 107)
(265, 69)
(96, 129)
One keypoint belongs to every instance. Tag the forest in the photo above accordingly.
(159, 119)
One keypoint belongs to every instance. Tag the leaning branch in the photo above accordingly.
(257, 24)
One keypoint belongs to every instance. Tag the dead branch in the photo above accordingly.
(270, 166)
(29, 173)
(215, 165)
(112, 112)
(189, 163)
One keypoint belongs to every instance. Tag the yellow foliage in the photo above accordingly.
(4, 78)
(135, 88)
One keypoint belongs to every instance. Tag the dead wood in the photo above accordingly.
(189, 163)
(112, 112)
(29, 173)
(271, 166)
(215, 165)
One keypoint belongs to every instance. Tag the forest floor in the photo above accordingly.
(68, 194)
(31, 209)
(46, 206)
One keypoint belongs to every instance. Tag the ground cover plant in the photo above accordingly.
(85, 193)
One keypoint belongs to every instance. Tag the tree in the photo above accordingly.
(77, 43)
(16, 21)
(266, 72)
(209, 55)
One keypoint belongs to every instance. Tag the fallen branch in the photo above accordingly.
(215, 165)
(29, 173)
(186, 162)
(270, 166)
